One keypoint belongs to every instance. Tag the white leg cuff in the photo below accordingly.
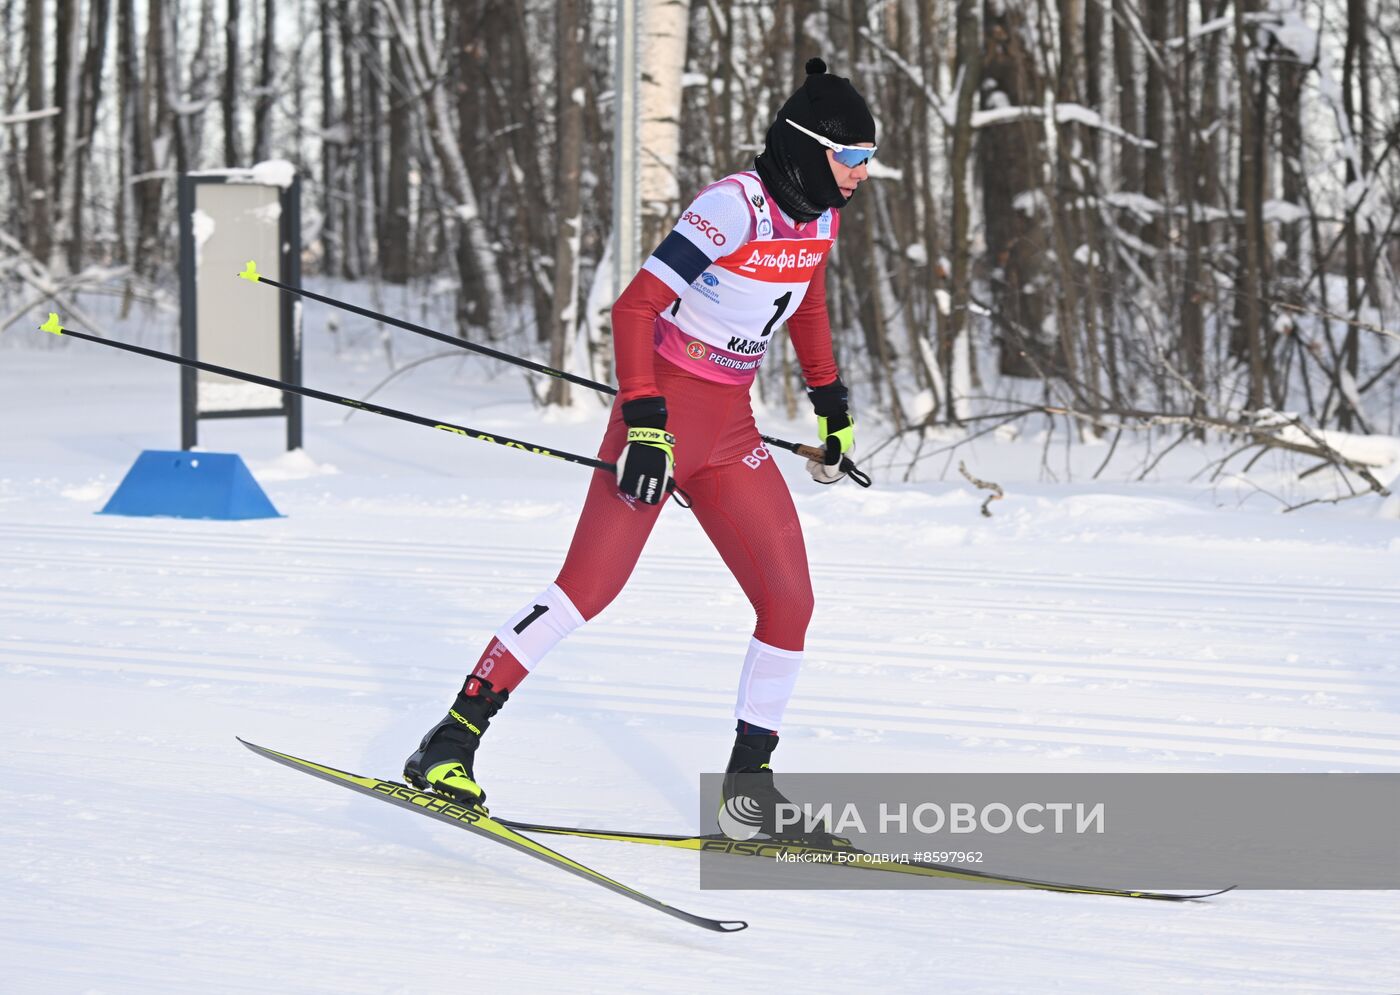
(537, 627)
(766, 684)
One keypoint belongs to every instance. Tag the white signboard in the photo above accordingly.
(227, 218)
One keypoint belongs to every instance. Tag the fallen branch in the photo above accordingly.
(997, 493)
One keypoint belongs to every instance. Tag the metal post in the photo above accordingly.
(627, 213)
(290, 270)
(189, 415)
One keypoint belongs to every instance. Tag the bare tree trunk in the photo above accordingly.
(36, 158)
(1248, 312)
(262, 104)
(200, 75)
(968, 72)
(369, 132)
(1100, 301)
(153, 114)
(66, 99)
(1010, 157)
(568, 172)
(330, 147)
(927, 150)
(1066, 215)
(1126, 81)
(1209, 193)
(352, 231)
(233, 153)
(1192, 335)
(1154, 179)
(395, 231)
(179, 124)
(1367, 137)
(299, 72)
(1290, 91)
(65, 42)
(90, 91)
(528, 182)
(141, 200)
(1356, 50)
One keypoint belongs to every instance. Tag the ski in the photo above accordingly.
(477, 821)
(843, 854)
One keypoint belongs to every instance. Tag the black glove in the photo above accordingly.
(645, 466)
(835, 428)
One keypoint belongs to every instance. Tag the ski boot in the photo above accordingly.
(443, 761)
(749, 799)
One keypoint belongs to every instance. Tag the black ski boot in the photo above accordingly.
(750, 800)
(443, 762)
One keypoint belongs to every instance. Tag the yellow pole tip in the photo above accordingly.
(52, 325)
(250, 272)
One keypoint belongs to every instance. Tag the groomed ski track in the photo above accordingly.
(1083, 629)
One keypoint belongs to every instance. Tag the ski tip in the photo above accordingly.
(52, 325)
(731, 926)
(1178, 897)
(250, 272)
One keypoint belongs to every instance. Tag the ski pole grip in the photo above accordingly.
(847, 466)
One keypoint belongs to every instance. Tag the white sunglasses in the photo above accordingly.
(849, 156)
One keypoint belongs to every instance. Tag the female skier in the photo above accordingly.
(690, 332)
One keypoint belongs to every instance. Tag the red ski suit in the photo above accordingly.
(714, 276)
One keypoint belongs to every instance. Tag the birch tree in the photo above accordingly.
(663, 26)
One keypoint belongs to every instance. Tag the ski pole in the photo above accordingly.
(251, 274)
(848, 466)
(53, 326)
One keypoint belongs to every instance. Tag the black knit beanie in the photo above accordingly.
(793, 166)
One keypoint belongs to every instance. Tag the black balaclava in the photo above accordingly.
(794, 166)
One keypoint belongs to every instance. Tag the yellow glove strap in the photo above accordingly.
(846, 435)
(658, 437)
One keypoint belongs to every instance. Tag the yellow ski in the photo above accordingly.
(841, 851)
(476, 820)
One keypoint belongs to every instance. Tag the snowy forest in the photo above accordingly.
(1110, 216)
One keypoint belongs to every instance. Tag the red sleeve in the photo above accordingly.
(810, 330)
(633, 322)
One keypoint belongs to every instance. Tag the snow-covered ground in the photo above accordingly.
(1108, 626)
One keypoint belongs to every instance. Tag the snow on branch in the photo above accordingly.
(1064, 114)
(25, 116)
